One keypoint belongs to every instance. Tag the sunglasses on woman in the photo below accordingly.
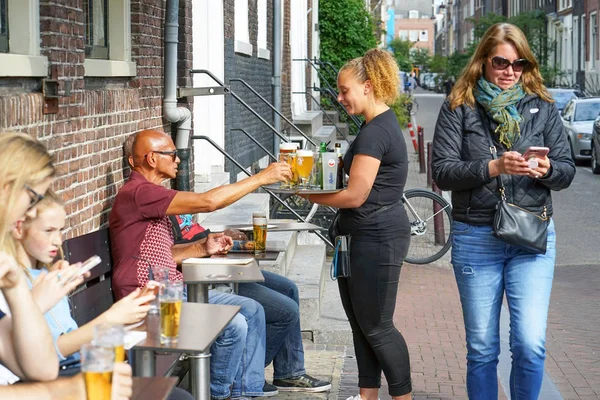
(34, 197)
(501, 63)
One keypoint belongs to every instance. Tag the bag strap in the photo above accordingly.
(486, 124)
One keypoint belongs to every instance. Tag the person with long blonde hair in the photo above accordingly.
(371, 210)
(501, 97)
(26, 346)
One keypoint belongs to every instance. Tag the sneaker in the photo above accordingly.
(357, 397)
(269, 390)
(302, 383)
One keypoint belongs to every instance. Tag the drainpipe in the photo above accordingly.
(277, 46)
(180, 115)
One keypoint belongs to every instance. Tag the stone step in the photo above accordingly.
(326, 134)
(344, 130)
(308, 272)
(309, 122)
(239, 212)
(333, 115)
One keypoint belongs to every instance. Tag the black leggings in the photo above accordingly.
(369, 299)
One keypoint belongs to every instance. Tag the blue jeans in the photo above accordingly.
(486, 268)
(280, 299)
(236, 365)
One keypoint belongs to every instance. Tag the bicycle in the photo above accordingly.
(429, 214)
(411, 105)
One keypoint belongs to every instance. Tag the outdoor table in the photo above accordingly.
(153, 388)
(272, 226)
(198, 276)
(199, 327)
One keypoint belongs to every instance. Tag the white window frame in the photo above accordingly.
(119, 63)
(583, 42)
(413, 14)
(261, 41)
(403, 35)
(242, 31)
(23, 58)
(593, 41)
(413, 35)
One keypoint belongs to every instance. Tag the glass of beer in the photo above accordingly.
(97, 367)
(170, 298)
(159, 274)
(287, 154)
(259, 230)
(112, 336)
(304, 165)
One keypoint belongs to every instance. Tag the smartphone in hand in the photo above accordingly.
(537, 152)
(89, 264)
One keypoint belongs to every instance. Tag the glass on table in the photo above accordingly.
(97, 367)
(112, 336)
(287, 154)
(304, 166)
(259, 230)
(159, 274)
(170, 298)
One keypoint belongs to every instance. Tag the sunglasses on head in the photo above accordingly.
(34, 197)
(172, 153)
(501, 63)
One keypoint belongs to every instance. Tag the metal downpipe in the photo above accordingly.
(277, 48)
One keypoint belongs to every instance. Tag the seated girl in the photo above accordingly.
(39, 242)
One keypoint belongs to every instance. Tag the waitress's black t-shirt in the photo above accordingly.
(382, 139)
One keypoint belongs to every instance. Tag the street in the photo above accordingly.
(573, 347)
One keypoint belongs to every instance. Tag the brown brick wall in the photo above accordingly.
(286, 65)
(87, 133)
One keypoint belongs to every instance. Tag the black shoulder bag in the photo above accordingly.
(340, 265)
(515, 225)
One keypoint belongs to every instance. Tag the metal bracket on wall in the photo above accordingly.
(50, 92)
(202, 91)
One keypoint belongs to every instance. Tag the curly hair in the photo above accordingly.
(380, 67)
(497, 34)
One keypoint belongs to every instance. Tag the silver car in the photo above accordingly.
(578, 119)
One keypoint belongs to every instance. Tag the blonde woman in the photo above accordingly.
(26, 347)
(377, 163)
(501, 96)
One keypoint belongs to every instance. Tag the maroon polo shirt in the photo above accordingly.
(140, 234)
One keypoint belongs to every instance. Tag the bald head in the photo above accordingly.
(147, 141)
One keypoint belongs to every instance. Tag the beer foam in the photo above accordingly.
(288, 146)
(304, 153)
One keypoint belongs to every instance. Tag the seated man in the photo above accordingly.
(26, 347)
(280, 299)
(141, 235)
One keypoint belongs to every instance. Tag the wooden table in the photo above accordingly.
(199, 327)
(199, 276)
(153, 388)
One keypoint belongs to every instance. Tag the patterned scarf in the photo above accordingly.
(500, 105)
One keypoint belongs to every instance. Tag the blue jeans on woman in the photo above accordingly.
(238, 354)
(486, 268)
(280, 299)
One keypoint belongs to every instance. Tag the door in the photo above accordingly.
(209, 111)
(299, 50)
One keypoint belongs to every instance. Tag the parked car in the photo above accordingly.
(562, 96)
(578, 118)
(595, 145)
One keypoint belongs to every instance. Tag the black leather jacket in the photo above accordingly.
(461, 154)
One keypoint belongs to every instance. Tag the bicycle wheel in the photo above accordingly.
(430, 217)
(414, 108)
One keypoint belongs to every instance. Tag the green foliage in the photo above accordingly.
(401, 50)
(399, 108)
(346, 30)
(482, 24)
(438, 64)
(421, 59)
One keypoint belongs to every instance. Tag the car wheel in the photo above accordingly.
(595, 161)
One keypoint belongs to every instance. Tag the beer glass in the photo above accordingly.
(304, 165)
(159, 274)
(97, 367)
(112, 336)
(259, 229)
(287, 154)
(170, 298)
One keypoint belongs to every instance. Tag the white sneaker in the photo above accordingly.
(357, 397)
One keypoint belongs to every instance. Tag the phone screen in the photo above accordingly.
(89, 264)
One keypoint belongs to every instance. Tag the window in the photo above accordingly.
(576, 48)
(3, 26)
(413, 14)
(424, 37)
(593, 40)
(20, 39)
(413, 36)
(95, 13)
(242, 33)
(403, 35)
(583, 67)
(262, 30)
(107, 31)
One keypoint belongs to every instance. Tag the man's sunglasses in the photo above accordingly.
(34, 197)
(172, 153)
(501, 63)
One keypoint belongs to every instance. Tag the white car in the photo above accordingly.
(578, 119)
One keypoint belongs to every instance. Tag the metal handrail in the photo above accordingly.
(237, 164)
(324, 113)
(255, 141)
(339, 107)
(273, 108)
(242, 102)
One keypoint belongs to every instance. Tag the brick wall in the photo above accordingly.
(257, 72)
(286, 66)
(87, 133)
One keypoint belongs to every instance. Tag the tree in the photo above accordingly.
(438, 64)
(401, 49)
(346, 30)
(421, 59)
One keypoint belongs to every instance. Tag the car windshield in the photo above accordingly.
(587, 111)
(562, 98)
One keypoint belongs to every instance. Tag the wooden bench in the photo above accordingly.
(95, 295)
